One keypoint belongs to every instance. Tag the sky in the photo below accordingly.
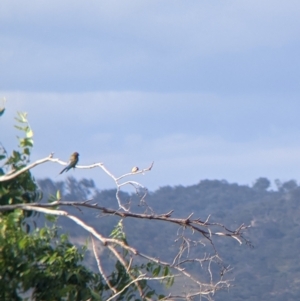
(205, 89)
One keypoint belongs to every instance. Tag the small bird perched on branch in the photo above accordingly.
(134, 169)
(72, 163)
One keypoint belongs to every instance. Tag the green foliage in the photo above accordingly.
(39, 262)
(22, 189)
(43, 262)
(118, 232)
(159, 271)
(120, 278)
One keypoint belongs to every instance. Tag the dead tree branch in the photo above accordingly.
(205, 289)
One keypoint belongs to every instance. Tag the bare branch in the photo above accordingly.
(205, 289)
(139, 278)
(12, 174)
(142, 171)
(101, 269)
(185, 222)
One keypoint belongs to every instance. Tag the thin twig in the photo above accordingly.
(101, 269)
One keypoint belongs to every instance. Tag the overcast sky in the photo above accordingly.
(205, 89)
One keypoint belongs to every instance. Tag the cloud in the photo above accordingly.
(215, 23)
(189, 136)
(166, 46)
(157, 114)
(205, 89)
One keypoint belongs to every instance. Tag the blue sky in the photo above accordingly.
(205, 89)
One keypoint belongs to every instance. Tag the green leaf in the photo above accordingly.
(29, 133)
(51, 218)
(95, 295)
(170, 282)
(156, 271)
(52, 258)
(64, 237)
(23, 243)
(23, 117)
(26, 151)
(20, 127)
(44, 259)
(166, 271)
(150, 294)
(2, 110)
(43, 232)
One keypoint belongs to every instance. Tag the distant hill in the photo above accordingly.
(269, 271)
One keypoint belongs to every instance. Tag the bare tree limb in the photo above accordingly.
(101, 271)
(193, 224)
(12, 174)
(187, 226)
(111, 243)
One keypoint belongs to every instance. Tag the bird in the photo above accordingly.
(72, 163)
(134, 169)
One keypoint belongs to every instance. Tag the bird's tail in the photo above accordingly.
(63, 170)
